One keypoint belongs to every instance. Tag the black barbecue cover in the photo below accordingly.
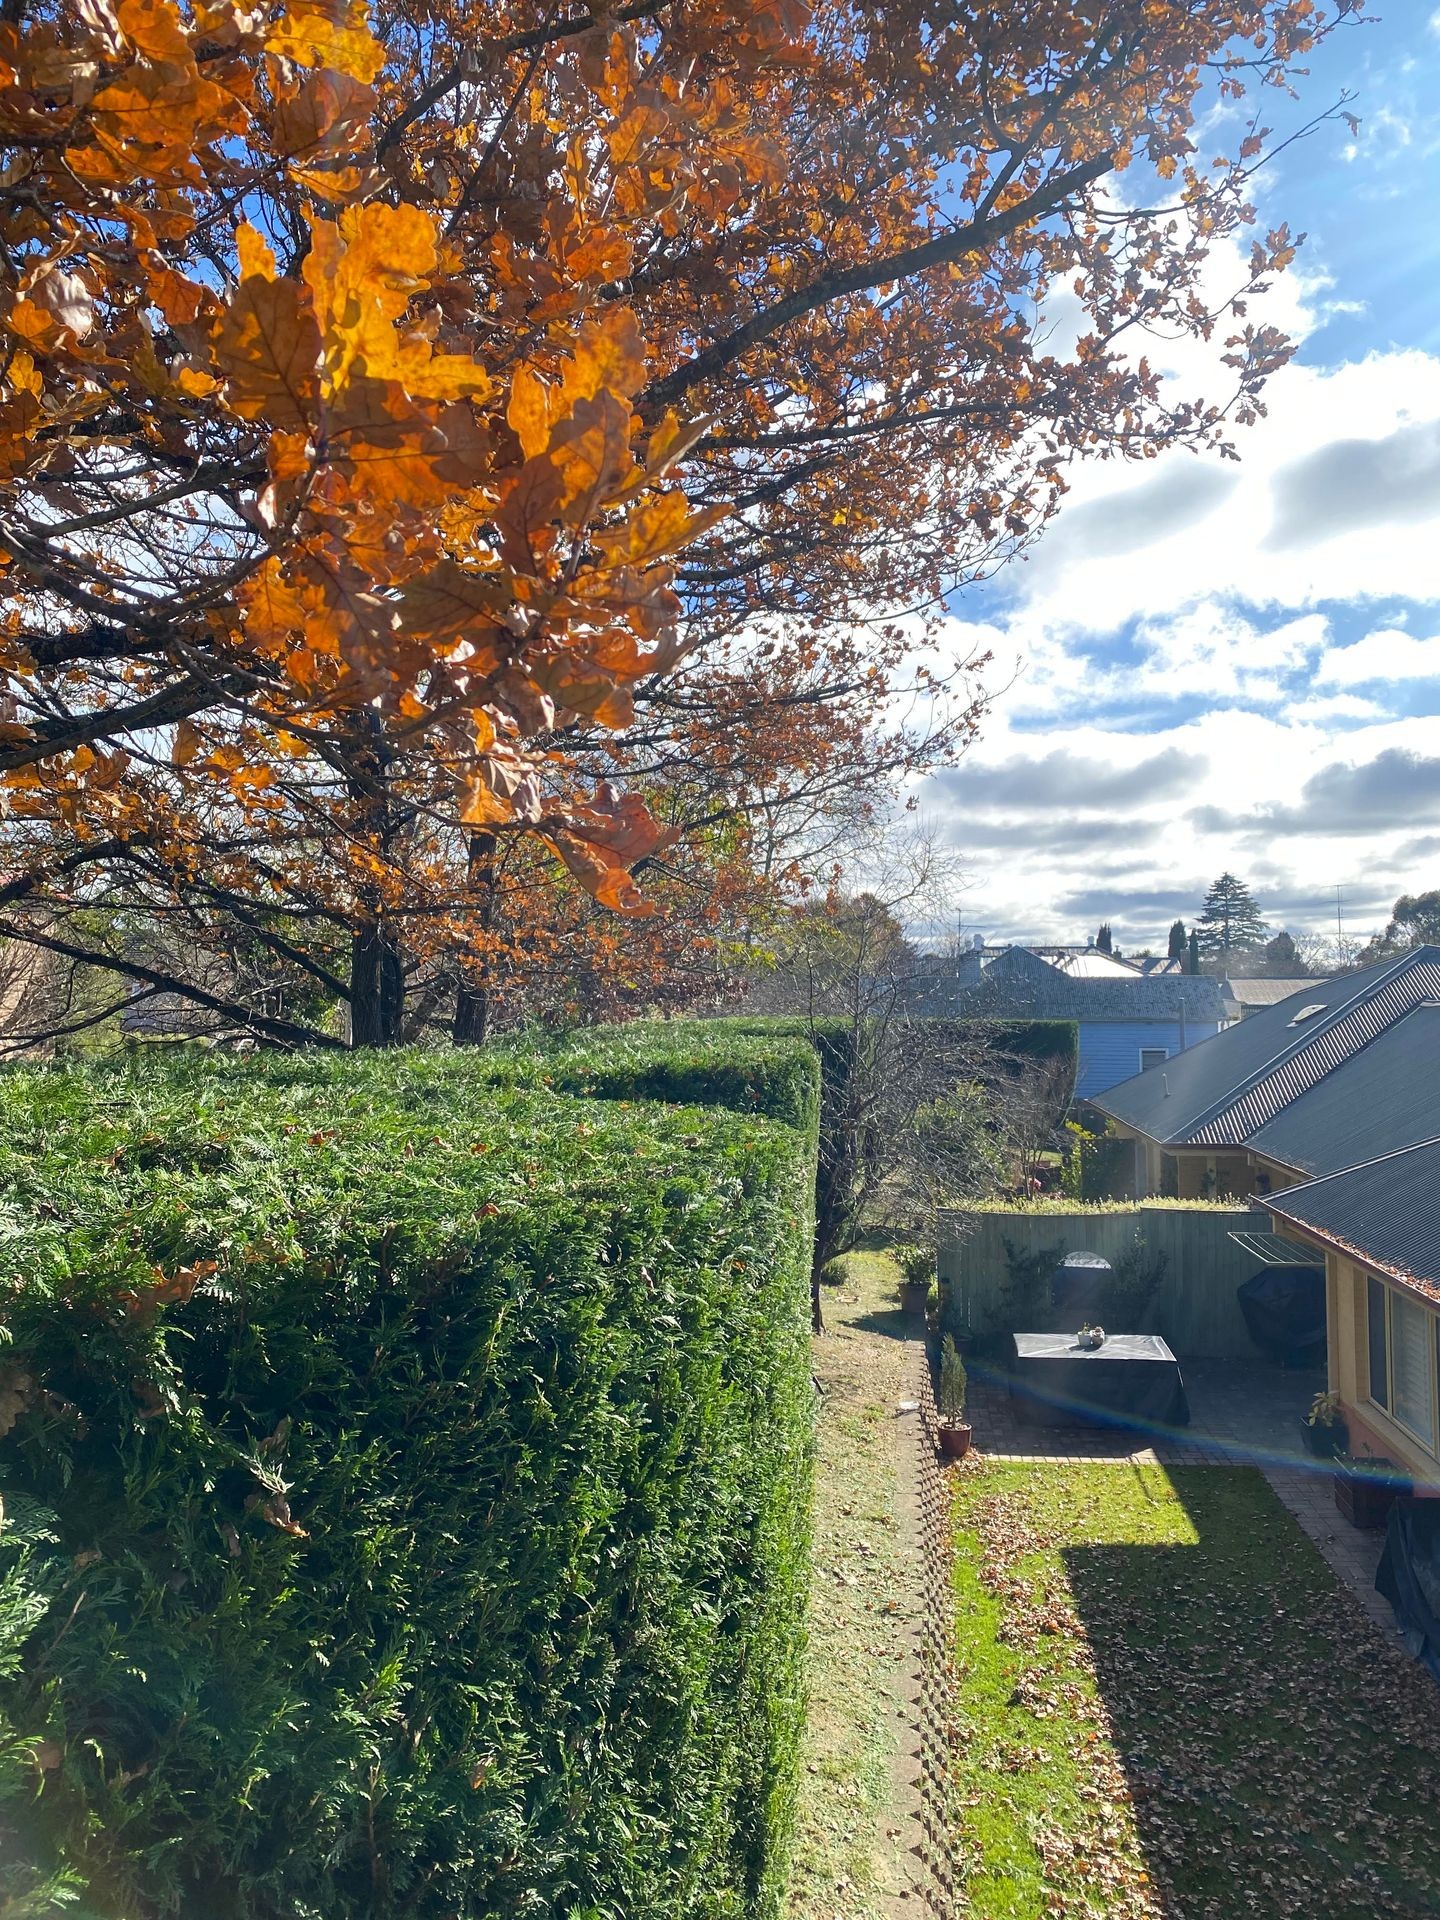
(1409, 1576)
(1284, 1309)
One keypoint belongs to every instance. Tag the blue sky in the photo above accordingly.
(1204, 666)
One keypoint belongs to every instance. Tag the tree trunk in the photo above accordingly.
(377, 976)
(471, 1026)
(472, 1016)
(377, 988)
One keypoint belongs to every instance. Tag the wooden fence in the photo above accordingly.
(1194, 1308)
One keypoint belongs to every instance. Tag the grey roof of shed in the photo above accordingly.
(1385, 1211)
(1223, 1091)
(1048, 994)
(1262, 993)
(1383, 1098)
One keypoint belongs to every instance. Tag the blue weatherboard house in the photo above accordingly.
(1129, 1022)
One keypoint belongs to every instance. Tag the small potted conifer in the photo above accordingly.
(954, 1432)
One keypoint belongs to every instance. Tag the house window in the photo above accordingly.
(1412, 1361)
(1404, 1343)
(1153, 1057)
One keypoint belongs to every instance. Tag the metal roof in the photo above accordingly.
(1382, 1098)
(1092, 964)
(1224, 1090)
(1042, 992)
(1262, 993)
(1385, 1212)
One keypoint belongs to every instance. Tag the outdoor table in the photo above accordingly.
(1134, 1379)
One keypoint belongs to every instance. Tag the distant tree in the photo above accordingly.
(1282, 958)
(1229, 921)
(1177, 946)
(1415, 921)
(1103, 940)
(1192, 953)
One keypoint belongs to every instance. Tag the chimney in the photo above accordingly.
(972, 961)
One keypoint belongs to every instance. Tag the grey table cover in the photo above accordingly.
(1134, 1379)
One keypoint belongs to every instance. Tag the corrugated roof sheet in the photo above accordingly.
(1263, 993)
(1223, 1091)
(1384, 1211)
(1382, 1098)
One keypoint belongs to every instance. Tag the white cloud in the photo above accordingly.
(1175, 635)
(1293, 524)
(1384, 655)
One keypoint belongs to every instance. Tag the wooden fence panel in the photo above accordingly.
(1195, 1308)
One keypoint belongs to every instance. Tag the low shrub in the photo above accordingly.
(414, 1480)
(916, 1264)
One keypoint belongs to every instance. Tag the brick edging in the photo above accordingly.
(937, 1657)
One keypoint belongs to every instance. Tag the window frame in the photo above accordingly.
(1430, 1347)
(1164, 1053)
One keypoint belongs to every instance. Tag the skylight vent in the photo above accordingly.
(1308, 1013)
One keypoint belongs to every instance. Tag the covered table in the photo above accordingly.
(1134, 1379)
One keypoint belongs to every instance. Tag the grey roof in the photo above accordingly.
(1262, 993)
(1223, 1091)
(1384, 1211)
(1048, 994)
(1382, 1098)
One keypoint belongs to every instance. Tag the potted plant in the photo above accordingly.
(954, 1432)
(1090, 1338)
(1366, 1489)
(1323, 1428)
(917, 1272)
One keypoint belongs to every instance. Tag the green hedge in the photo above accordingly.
(444, 1553)
(716, 1063)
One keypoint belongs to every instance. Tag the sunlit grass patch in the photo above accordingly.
(1164, 1705)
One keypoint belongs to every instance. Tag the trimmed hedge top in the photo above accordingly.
(406, 1495)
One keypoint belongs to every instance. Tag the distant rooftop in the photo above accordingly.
(1261, 993)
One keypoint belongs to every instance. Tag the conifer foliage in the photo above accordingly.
(405, 1484)
(1229, 921)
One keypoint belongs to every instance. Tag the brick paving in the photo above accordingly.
(1242, 1413)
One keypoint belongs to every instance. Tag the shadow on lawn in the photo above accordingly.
(1284, 1761)
(894, 1322)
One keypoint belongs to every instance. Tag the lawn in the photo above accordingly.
(851, 1828)
(1165, 1705)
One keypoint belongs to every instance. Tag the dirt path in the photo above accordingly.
(859, 1803)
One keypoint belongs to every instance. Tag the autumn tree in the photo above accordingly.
(431, 428)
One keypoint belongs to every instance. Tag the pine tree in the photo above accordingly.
(1177, 941)
(1229, 921)
(1192, 956)
(1103, 942)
